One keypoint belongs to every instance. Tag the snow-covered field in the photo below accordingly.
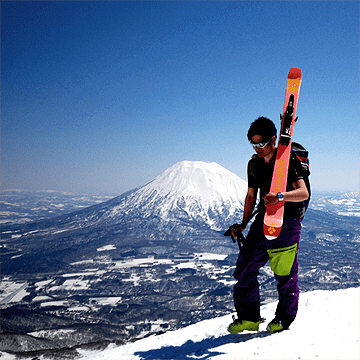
(12, 291)
(345, 204)
(327, 327)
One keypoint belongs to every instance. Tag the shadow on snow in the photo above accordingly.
(201, 349)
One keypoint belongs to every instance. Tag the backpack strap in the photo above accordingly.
(299, 152)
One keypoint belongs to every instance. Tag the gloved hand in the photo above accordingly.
(235, 231)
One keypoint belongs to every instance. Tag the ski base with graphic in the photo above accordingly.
(273, 219)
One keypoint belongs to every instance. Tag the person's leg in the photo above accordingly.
(284, 263)
(288, 291)
(246, 291)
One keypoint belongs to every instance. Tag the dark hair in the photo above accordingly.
(262, 126)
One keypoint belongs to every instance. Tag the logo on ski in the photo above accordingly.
(271, 230)
(293, 85)
(280, 173)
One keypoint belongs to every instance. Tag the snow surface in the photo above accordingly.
(327, 327)
(207, 181)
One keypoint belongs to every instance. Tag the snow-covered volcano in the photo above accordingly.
(207, 182)
(186, 207)
(201, 191)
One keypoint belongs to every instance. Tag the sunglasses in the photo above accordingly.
(261, 145)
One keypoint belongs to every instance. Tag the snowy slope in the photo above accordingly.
(202, 181)
(204, 192)
(327, 327)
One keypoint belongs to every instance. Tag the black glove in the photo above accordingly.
(233, 227)
(238, 237)
(236, 229)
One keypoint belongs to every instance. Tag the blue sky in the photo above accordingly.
(103, 96)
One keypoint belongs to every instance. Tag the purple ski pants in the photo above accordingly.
(282, 253)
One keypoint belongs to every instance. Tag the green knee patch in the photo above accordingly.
(282, 260)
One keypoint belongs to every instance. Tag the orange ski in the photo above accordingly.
(273, 219)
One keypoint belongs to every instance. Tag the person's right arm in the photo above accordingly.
(249, 206)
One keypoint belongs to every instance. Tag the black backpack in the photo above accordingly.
(298, 151)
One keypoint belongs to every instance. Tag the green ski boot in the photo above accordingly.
(241, 325)
(275, 325)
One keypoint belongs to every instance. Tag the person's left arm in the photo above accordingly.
(300, 193)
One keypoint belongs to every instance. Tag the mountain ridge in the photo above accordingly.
(177, 194)
(166, 215)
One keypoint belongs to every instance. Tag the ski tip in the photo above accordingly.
(294, 73)
(268, 237)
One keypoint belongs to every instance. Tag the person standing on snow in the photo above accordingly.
(257, 250)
